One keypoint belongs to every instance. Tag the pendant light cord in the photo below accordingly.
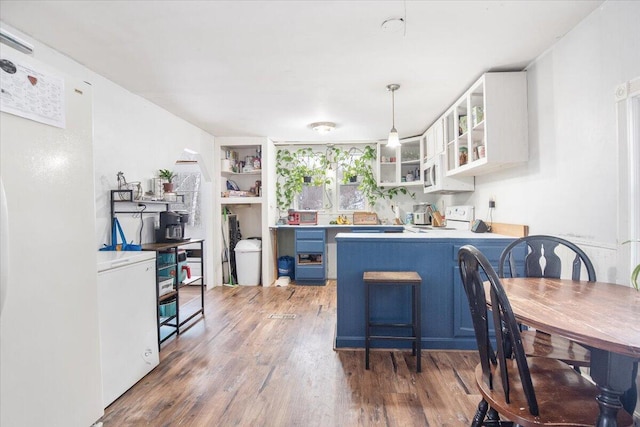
(393, 108)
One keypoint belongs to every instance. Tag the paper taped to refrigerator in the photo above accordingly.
(32, 94)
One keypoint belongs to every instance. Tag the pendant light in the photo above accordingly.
(394, 140)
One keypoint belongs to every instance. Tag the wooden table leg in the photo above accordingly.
(612, 374)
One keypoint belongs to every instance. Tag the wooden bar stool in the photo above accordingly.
(394, 278)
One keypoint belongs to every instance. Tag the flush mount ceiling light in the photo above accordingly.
(323, 127)
(394, 140)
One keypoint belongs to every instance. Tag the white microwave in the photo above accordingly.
(435, 179)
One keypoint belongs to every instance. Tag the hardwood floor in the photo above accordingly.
(239, 367)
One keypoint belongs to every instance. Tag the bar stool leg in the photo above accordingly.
(367, 332)
(414, 347)
(417, 323)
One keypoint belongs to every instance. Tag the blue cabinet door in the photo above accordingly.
(462, 323)
(310, 260)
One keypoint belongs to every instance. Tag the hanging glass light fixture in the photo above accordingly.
(394, 140)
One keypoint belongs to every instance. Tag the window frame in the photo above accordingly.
(331, 193)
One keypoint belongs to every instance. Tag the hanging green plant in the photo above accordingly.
(358, 164)
(295, 169)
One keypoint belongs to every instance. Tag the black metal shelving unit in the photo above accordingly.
(173, 322)
(177, 321)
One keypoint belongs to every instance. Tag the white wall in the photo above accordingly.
(569, 186)
(131, 135)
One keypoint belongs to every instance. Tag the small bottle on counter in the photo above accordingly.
(409, 218)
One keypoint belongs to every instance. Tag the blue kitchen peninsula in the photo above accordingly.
(446, 321)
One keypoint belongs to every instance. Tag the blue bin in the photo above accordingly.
(167, 309)
(285, 266)
(165, 258)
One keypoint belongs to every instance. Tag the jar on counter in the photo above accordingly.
(409, 218)
(463, 156)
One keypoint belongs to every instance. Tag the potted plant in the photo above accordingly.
(360, 169)
(355, 166)
(168, 176)
(294, 169)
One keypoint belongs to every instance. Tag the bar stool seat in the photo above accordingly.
(394, 278)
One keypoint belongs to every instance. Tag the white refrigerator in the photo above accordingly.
(49, 335)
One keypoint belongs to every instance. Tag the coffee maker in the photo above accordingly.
(171, 227)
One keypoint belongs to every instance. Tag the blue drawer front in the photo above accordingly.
(310, 272)
(310, 246)
(310, 234)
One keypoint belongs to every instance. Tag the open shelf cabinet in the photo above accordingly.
(486, 128)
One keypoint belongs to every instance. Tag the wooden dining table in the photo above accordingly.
(604, 317)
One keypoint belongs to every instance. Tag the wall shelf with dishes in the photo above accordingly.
(401, 165)
(241, 172)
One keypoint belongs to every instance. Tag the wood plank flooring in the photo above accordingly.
(239, 367)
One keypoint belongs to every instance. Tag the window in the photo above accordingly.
(334, 196)
(628, 117)
(188, 184)
(350, 198)
(311, 198)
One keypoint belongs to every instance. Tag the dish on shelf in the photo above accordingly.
(238, 193)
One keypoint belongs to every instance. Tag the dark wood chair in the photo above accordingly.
(527, 391)
(541, 260)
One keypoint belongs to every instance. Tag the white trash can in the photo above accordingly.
(248, 262)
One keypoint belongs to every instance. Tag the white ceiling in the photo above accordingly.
(269, 68)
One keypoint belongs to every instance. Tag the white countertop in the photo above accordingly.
(337, 226)
(424, 234)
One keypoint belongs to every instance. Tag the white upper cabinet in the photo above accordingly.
(434, 140)
(486, 129)
(401, 165)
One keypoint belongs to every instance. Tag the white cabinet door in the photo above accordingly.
(387, 162)
(431, 142)
(438, 136)
(400, 166)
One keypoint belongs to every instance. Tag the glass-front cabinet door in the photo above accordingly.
(401, 165)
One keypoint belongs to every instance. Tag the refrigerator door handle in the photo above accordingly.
(4, 246)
